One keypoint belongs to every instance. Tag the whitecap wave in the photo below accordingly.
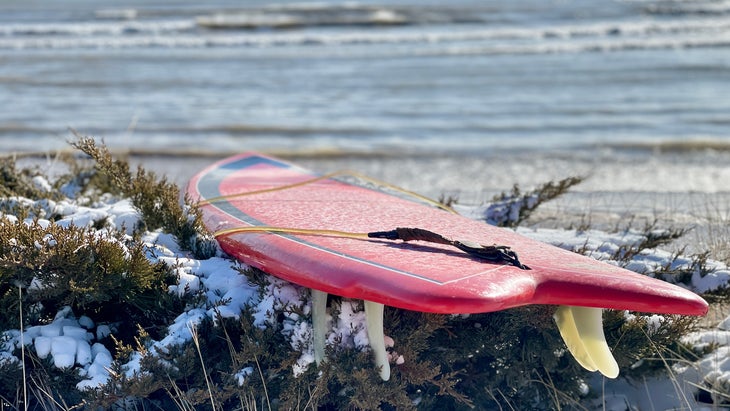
(704, 32)
(80, 30)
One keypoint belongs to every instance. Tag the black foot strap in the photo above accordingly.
(493, 253)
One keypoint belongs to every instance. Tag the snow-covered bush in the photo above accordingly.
(113, 295)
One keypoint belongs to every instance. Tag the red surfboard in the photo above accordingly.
(280, 218)
(412, 275)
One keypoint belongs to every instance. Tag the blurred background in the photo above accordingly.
(462, 98)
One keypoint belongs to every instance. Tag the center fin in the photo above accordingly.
(319, 323)
(374, 315)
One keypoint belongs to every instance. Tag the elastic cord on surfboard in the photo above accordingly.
(351, 173)
(493, 253)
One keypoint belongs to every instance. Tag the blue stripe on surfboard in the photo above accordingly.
(209, 187)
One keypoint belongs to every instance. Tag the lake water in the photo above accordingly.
(467, 96)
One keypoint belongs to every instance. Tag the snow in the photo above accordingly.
(123, 214)
(83, 353)
(243, 374)
(102, 331)
(41, 183)
(42, 346)
(97, 373)
(711, 281)
(63, 350)
(350, 325)
(67, 341)
(86, 322)
(74, 342)
(714, 368)
(180, 331)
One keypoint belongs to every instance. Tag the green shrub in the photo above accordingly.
(157, 199)
(90, 272)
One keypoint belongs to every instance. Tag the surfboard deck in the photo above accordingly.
(413, 275)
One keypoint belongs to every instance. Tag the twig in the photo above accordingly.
(22, 348)
(196, 341)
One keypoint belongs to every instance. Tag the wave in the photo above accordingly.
(432, 31)
(256, 20)
(81, 29)
(682, 8)
(428, 44)
(348, 14)
(135, 21)
(22, 129)
(377, 16)
(258, 130)
(472, 39)
(244, 130)
(595, 46)
(291, 153)
(674, 145)
(117, 14)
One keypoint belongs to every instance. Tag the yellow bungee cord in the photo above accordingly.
(494, 253)
(329, 176)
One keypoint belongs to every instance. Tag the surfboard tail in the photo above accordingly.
(638, 293)
(580, 315)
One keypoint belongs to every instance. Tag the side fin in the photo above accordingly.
(566, 325)
(374, 315)
(582, 331)
(319, 323)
